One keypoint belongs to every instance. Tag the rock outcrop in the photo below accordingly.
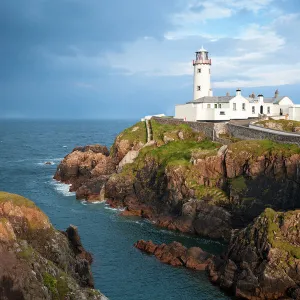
(86, 169)
(262, 260)
(183, 181)
(208, 191)
(176, 254)
(37, 261)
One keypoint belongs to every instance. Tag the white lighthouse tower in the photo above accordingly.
(202, 66)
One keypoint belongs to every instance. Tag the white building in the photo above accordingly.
(205, 107)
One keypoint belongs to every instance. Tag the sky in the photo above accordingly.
(101, 59)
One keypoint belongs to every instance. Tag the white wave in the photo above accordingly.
(52, 161)
(113, 208)
(62, 188)
(46, 163)
(84, 202)
(96, 202)
(65, 146)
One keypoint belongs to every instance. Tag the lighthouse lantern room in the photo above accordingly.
(202, 66)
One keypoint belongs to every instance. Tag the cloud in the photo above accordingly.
(67, 53)
(196, 16)
(257, 55)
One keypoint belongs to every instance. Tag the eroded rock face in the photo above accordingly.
(38, 261)
(262, 260)
(86, 169)
(176, 254)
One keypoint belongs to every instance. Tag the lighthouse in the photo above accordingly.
(202, 65)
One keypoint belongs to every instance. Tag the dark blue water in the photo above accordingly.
(120, 270)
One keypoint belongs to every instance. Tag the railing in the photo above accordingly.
(202, 61)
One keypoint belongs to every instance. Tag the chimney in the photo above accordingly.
(227, 94)
(238, 92)
(260, 98)
(276, 93)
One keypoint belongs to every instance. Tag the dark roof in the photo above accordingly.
(208, 99)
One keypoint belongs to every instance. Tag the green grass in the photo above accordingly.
(212, 194)
(137, 132)
(264, 147)
(16, 199)
(51, 283)
(179, 152)
(171, 131)
(57, 286)
(284, 125)
(274, 233)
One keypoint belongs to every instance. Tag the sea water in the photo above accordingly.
(120, 271)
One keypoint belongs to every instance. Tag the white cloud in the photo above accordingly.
(196, 13)
(257, 55)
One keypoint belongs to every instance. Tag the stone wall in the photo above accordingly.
(242, 132)
(205, 127)
(212, 131)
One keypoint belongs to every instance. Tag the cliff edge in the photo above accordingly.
(37, 261)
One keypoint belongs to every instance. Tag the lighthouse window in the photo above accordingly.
(253, 109)
(220, 105)
(234, 106)
(198, 88)
(216, 105)
(208, 105)
(199, 70)
(269, 110)
(243, 106)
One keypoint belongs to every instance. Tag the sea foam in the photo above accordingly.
(62, 188)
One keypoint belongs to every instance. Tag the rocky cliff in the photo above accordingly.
(37, 261)
(185, 182)
(262, 260)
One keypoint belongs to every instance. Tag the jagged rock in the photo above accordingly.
(38, 261)
(176, 254)
(86, 169)
(262, 260)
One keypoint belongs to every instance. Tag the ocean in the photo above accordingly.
(120, 271)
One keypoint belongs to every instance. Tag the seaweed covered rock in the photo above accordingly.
(262, 260)
(37, 261)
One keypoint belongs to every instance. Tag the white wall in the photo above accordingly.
(239, 113)
(200, 112)
(186, 112)
(201, 79)
(213, 114)
(285, 104)
(294, 113)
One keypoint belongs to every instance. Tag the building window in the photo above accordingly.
(253, 109)
(208, 105)
(198, 88)
(234, 106)
(199, 70)
(243, 106)
(269, 110)
(219, 105)
(222, 113)
(216, 105)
